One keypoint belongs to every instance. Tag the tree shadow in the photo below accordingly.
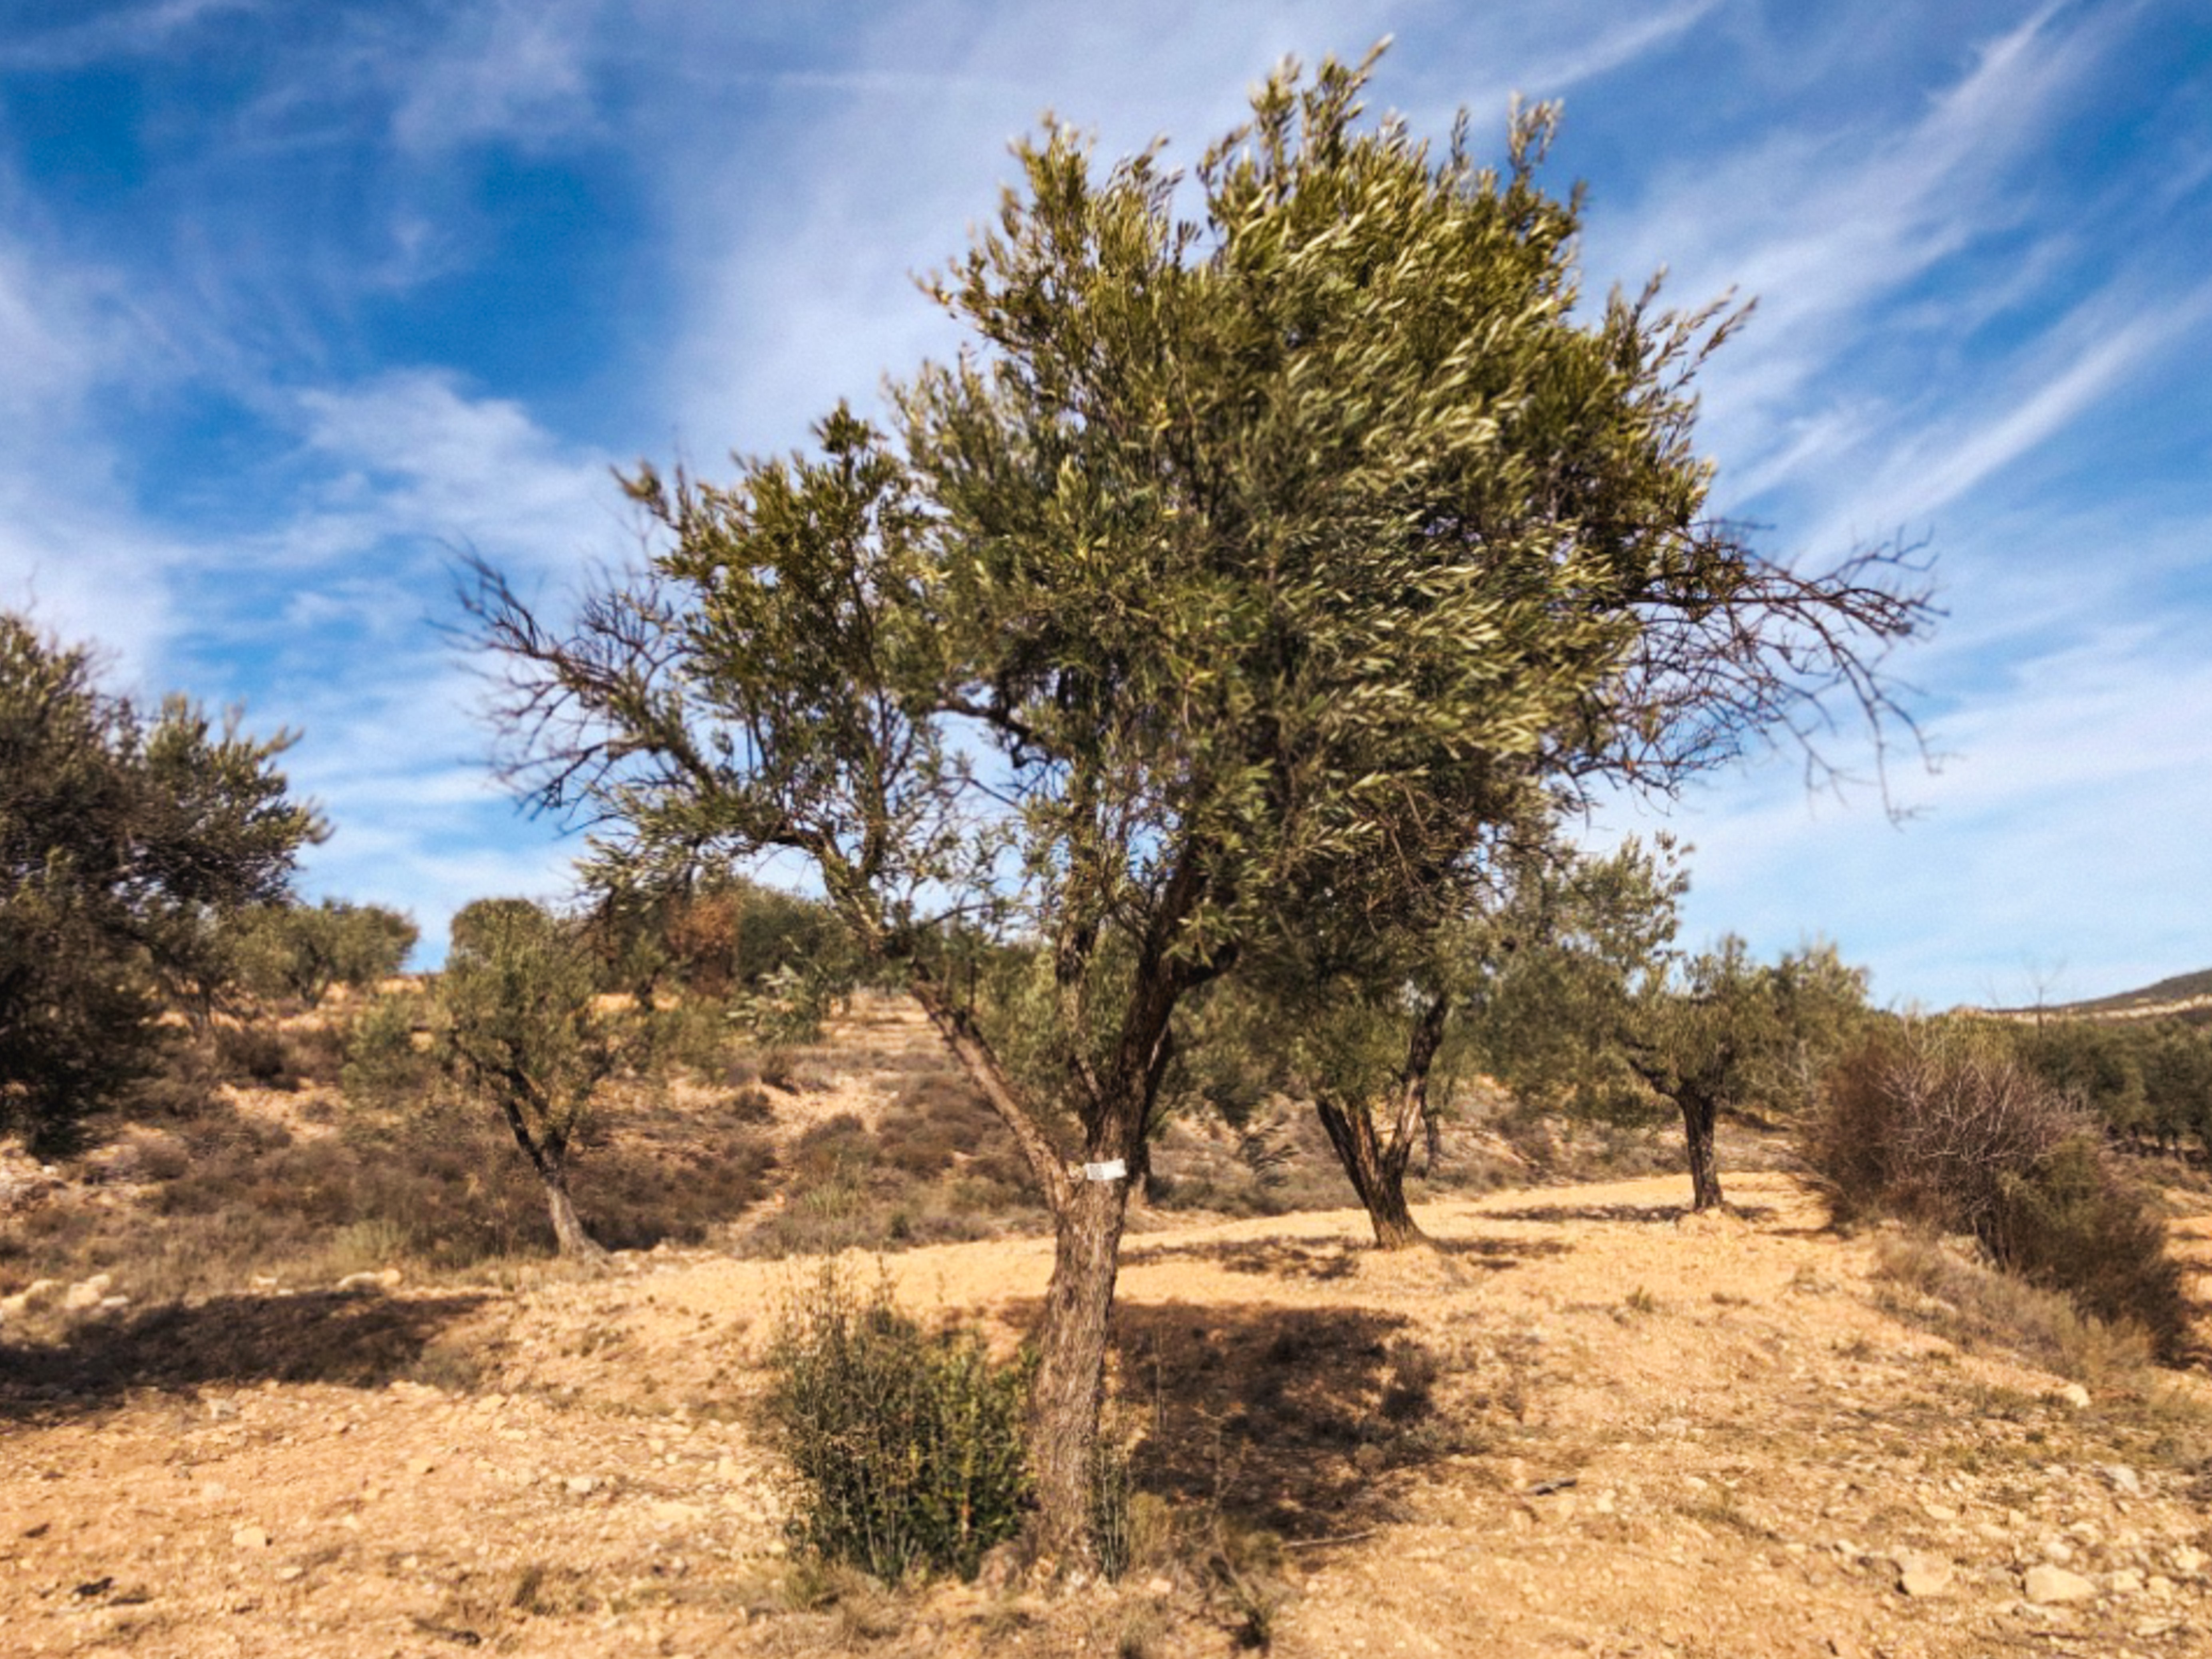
(1288, 1418)
(1290, 1258)
(326, 1336)
(1653, 1215)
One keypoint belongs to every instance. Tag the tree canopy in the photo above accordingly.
(124, 838)
(1244, 567)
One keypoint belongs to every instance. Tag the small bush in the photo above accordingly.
(257, 1055)
(1949, 1132)
(385, 1068)
(910, 1444)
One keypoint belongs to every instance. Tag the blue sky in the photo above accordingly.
(294, 300)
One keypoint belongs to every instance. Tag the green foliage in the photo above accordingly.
(1586, 1006)
(1271, 539)
(520, 1029)
(518, 1017)
(301, 950)
(910, 1444)
(715, 936)
(384, 1067)
(1941, 1125)
(123, 839)
(2140, 1077)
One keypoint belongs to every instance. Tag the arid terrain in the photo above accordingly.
(1585, 1423)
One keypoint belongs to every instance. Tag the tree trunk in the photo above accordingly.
(1377, 1173)
(1064, 1399)
(1698, 1115)
(568, 1229)
(550, 1158)
(1377, 1167)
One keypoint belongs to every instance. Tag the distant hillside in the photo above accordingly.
(2185, 996)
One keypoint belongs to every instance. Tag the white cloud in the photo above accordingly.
(418, 458)
(512, 70)
(126, 31)
(1819, 226)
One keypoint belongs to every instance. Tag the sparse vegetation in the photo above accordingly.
(908, 1443)
(1940, 1124)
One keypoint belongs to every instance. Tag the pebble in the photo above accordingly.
(1925, 1578)
(2047, 1584)
(250, 1537)
(582, 1485)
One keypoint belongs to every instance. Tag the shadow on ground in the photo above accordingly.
(1291, 1419)
(317, 1337)
(1290, 1258)
(1650, 1215)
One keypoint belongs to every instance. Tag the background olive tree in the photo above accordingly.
(1597, 1012)
(519, 1028)
(1263, 545)
(302, 951)
(125, 839)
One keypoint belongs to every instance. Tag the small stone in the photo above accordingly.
(2124, 1479)
(2047, 1584)
(582, 1485)
(286, 1575)
(37, 1294)
(2186, 1559)
(1932, 1578)
(1921, 1575)
(2074, 1395)
(2126, 1582)
(2057, 1552)
(1156, 1585)
(420, 1466)
(1939, 1512)
(250, 1537)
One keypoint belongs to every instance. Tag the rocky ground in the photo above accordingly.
(1586, 1424)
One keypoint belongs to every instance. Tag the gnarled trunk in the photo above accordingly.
(1066, 1397)
(550, 1158)
(1698, 1114)
(1376, 1165)
(568, 1229)
(1377, 1173)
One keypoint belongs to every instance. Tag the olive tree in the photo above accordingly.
(1597, 1012)
(302, 951)
(125, 838)
(519, 1028)
(1261, 547)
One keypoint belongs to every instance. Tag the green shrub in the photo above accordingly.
(1944, 1128)
(910, 1444)
(385, 1067)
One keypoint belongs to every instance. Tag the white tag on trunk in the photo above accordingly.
(1113, 1172)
